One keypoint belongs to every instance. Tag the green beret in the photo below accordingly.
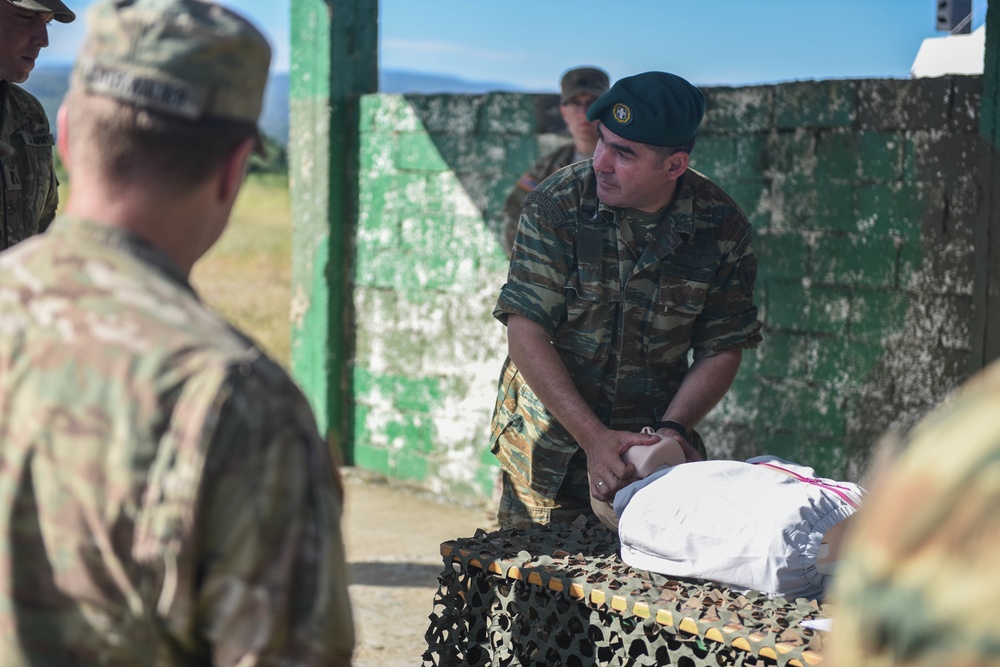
(652, 108)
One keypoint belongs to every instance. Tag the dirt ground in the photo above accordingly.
(393, 537)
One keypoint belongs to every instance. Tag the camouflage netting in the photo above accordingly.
(561, 595)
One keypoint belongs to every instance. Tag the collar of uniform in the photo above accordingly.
(7, 103)
(678, 221)
(11, 110)
(680, 213)
(120, 240)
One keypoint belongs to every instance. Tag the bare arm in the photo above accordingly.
(529, 347)
(706, 382)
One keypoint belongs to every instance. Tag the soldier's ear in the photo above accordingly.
(677, 164)
(62, 137)
(234, 169)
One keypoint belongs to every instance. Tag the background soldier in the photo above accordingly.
(579, 88)
(165, 497)
(28, 187)
(621, 267)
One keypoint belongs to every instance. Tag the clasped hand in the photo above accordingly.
(609, 469)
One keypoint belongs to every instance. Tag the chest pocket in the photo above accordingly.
(686, 276)
(683, 294)
(592, 301)
(679, 301)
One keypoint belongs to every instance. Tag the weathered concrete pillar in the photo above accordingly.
(986, 327)
(334, 61)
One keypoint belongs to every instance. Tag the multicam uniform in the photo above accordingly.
(622, 320)
(165, 497)
(917, 583)
(542, 168)
(29, 191)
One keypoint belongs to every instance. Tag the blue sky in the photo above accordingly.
(527, 44)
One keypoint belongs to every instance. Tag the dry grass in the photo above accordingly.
(247, 275)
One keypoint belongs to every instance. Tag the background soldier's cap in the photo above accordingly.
(61, 12)
(652, 108)
(5, 149)
(186, 58)
(583, 80)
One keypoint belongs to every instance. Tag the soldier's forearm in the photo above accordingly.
(530, 349)
(704, 385)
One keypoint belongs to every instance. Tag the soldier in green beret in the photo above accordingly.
(621, 267)
(166, 496)
(579, 88)
(28, 187)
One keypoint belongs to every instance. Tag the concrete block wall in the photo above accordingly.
(433, 175)
(864, 198)
(863, 195)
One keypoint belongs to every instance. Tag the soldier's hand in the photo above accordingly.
(690, 453)
(608, 472)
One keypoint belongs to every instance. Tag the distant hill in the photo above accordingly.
(49, 85)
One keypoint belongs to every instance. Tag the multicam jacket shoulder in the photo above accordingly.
(543, 167)
(165, 497)
(917, 582)
(622, 321)
(29, 191)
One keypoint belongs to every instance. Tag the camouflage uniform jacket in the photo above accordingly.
(544, 167)
(622, 322)
(165, 498)
(917, 581)
(29, 191)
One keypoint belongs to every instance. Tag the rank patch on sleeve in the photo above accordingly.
(549, 211)
(527, 182)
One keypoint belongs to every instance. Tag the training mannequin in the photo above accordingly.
(765, 524)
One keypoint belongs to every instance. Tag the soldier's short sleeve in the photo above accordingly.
(273, 575)
(729, 319)
(540, 265)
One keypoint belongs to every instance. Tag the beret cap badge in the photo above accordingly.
(655, 108)
(622, 114)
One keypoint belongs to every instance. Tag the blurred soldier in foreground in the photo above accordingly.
(28, 186)
(166, 498)
(918, 583)
(579, 88)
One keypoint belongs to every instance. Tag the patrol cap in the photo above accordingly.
(185, 58)
(583, 81)
(60, 11)
(654, 108)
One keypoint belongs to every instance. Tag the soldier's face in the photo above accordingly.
(630, 174)
(574, 114)
(23, 35)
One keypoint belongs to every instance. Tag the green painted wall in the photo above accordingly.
(864, 198)
(865, 201)
(334, 61)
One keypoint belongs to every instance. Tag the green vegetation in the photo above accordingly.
(275, 162)
(247, 275)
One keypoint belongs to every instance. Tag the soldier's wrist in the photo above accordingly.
(667, 424)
